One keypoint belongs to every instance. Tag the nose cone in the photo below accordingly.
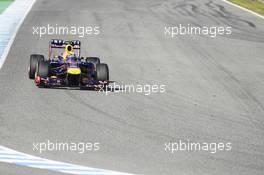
(74, 70)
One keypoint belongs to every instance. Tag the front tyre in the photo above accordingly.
(34, 59)
(43, 69)
(102, 72)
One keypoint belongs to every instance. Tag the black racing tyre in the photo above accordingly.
(102, 72)
(94, 60)
(34, 59)
(43, 69)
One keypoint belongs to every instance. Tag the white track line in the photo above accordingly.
(243, 8)
(8, 155)
(15, 15)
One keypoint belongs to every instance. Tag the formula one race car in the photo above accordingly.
(67, 68)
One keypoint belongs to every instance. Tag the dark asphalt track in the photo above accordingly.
(215, 89)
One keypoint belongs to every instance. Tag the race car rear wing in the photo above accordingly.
(58, 43)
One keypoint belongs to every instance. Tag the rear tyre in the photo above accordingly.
(34, 59)
(94, 60)
(102, 72)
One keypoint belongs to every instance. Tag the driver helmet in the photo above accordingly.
(68, 51)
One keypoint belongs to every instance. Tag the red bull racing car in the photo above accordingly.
(66, 68)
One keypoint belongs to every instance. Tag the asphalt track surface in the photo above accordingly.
(215, 89)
